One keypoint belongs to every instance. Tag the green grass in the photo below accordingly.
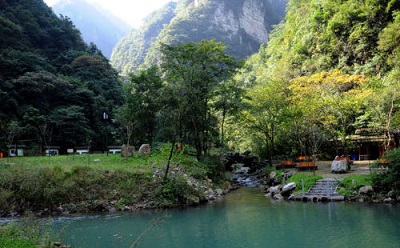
(102, 161)
(91, 182)
(26, 233)
(309, 181)
(158, 159)
(350, 185)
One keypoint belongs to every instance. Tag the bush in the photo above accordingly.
(215, 169)
(390, 179)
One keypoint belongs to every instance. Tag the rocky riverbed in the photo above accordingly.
(279, 189)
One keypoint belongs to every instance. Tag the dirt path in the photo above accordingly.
(358, 168)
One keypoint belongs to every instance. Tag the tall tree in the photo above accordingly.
(228, 100)
(193, 71)
(265, 113)
(143, 93)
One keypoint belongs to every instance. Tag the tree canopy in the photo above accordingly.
(53, 86)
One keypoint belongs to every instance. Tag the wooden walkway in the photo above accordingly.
(323, 191)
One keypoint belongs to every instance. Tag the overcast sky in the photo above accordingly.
(132, 11)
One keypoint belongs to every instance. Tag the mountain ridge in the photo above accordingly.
(243, 25)
(96, 24)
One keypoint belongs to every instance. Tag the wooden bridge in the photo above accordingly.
(324, 190)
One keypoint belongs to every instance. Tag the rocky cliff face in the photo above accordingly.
(243, 25)
(251, 19)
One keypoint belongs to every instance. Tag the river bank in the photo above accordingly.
(356, 185)
(98, 183)
(68, 185)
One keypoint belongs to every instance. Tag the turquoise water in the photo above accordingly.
(244, 218)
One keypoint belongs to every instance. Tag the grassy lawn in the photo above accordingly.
(101, 161)
(96, 182)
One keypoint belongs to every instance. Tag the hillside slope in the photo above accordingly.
(241, 24)
(96, 24)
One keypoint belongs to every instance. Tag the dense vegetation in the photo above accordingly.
(329, 69)
(53, 87)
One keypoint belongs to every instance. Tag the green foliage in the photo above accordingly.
(390, 179)
(130, 52)
(79, 184)
(333, 65)
(53, 72)
(173, 192)
(350, 185)
(193, 72)
(26, 233)
(142, 104)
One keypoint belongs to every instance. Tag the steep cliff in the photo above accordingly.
(241, 24)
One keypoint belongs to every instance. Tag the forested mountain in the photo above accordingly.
(53, 87)
(241, 24)
(130, 52)
(330, 71)
(96, 24)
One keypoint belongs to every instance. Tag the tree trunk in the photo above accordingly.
(169, 161)
(222, 129)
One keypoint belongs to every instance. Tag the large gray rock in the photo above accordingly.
(365, 190)
(289, 187)
(274, 190)
(145, 150)
(127, 151)
(278, 197)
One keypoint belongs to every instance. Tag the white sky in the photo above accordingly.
(132, 11)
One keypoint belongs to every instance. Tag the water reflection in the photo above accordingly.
(245, 218)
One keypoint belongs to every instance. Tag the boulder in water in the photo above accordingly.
(278, 197)
(289, 187)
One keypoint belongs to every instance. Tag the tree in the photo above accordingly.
(70, 126)
(143, 93)
(266, 113)
(331, 100)
(193, 71)
(228, 101)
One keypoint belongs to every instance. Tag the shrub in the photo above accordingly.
(389, 180)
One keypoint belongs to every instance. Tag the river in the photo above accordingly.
(244, 218)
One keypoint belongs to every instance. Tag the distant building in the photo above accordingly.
(16, 150)
(52, 150)
(371, 143)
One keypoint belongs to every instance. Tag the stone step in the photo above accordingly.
(324, 187)
(326, 183)
(324, 194)
(321, 190)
